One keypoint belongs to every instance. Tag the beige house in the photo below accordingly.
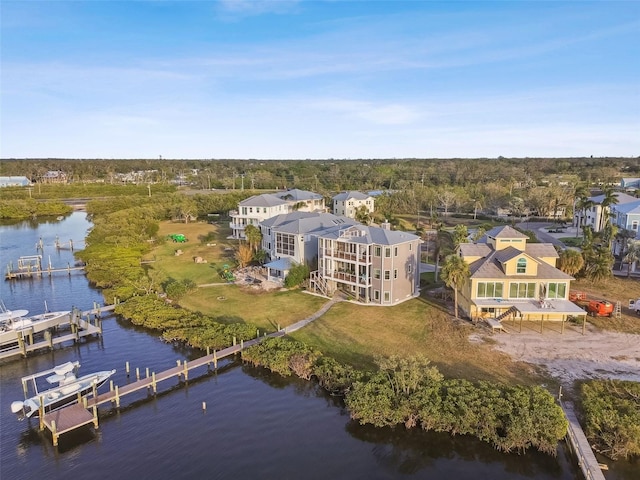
(346, 204)
(513, 279)
(371, 264)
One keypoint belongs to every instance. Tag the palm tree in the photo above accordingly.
(253, 236)
(570, 261)
(599, 264)
(455, 273)
(610, 198)
(443, 246)
(583, 204)
(633, 254)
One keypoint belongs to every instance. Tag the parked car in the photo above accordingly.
(600, 308)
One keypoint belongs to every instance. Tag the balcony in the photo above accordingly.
(349, 277)
(341, 254)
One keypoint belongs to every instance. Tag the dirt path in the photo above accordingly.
(572, 356)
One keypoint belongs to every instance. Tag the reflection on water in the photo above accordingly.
(256, 424)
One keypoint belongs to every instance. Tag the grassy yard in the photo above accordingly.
(356, 334)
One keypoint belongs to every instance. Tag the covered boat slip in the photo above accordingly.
(496, 311)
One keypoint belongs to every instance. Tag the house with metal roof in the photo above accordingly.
(14, 181)
(511, 278)
(373, 265)
(292, 238)
(254, 210)
(592, 216)
(346, 204)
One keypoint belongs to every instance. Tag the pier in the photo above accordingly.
(79, 414)
(80, 325)
(580, 447)
(31, 267)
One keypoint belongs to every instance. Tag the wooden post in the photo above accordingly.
(137, 373)
(215, 360)
(54, 433)
(95, 416)
(48, 338)
(562, 320)
(153, 382)
(95, 389)
(126, 368)
(584, 323)
(24, 388)
(117, 398)
(147, 372)
(41, 411)
(186, 371)
(241, 344)
(21, 344)
(234, 340)
(111, 385)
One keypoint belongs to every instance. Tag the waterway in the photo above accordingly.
(255, 425)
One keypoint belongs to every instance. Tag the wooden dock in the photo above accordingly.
(68, 419)
(80, 325)
(579, 444)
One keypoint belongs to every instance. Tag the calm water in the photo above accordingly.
(256, 425)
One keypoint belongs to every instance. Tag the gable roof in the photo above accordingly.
(489, 267)
(343, 196)
(298, 195)
(263, 200)
(622, 198)
(630, 207)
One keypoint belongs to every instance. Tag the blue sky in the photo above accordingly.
(319, 79)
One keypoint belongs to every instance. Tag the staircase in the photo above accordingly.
(503, 315)
(318, 283)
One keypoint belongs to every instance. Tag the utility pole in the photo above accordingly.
(242, 182)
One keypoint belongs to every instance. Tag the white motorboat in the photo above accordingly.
(68, 389)
(16, 323)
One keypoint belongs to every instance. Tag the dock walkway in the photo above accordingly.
(580, 445)
(151, 380)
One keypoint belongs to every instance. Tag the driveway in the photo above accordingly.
(540, 230)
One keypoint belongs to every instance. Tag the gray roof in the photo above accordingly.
(343, 196)
(505, 231)
(264, 200)
(490, 268)
(541, 250)
(475, 249)
(509, 253)
(622, 198)
(371, 235)
(306, 222)
(298, 195)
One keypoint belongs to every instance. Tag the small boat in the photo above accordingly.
(68, 389)
(15, 323)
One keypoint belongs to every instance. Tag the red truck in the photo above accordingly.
(600, 308)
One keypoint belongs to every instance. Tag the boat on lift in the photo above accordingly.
(16, 324)
(67, 389)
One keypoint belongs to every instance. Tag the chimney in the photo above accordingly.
(385, 225)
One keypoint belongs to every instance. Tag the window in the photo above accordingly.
(522, 290)
(634, 225)
(410, 268)
(387, 275)
(285, 244)
(489, 290)
(386, 297)
(395, 251)
(556, 290)
(377, 251)
(410, 246)
(250, 209)
(395, 273)
(376, 295)
(387, 252)
(376, 273)
(244, 210)
(521, 267)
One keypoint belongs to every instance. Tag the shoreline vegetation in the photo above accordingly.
(383, 391)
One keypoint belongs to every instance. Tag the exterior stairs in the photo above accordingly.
(505, 314)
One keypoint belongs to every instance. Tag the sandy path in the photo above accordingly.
(572, 356)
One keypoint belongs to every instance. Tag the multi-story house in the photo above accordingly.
(510, 277)
(254, 210)
(292, 238)
(347, 203)
(592, 216)
(374, 265)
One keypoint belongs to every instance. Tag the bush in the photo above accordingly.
(612, 416)
(297, 275)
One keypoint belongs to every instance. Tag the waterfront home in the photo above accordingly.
(257, 208)
(292, 238)
(373, 265)
(346, 204)
(513, 278)
(592, 216)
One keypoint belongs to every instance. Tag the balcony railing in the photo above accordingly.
(349, 277)
(351, 257)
